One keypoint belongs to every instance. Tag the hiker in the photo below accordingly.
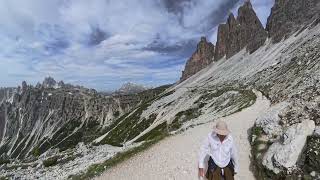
(223, 160)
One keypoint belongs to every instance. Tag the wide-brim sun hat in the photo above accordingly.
(221, 128)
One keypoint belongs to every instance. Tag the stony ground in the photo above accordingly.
(176, 157)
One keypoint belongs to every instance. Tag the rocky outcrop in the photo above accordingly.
(200, 59)
(245, 31)
(294, 79)
(288, 16)
(283, 155)
(270, 120)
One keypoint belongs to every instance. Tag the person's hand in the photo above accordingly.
(201, 172)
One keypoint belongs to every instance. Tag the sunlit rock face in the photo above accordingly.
(200, 59)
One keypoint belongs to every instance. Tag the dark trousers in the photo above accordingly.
(214, 172)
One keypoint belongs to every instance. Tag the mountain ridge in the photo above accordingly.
(247, 31)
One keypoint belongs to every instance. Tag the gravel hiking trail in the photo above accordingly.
(176, 157)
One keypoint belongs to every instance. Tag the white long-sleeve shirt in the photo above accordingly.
(220, 152)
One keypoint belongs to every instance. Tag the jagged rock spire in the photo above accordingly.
(200, 59)
(244, 31)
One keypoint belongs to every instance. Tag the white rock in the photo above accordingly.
(39, 165)
(268, 157)
(285, 154)
(269, 121)
(49, 153)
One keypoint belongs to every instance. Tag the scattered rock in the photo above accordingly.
(269, 121)
(313, 173)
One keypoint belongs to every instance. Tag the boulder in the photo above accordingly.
(283, 155)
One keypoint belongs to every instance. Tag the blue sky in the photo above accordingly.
(104, 43)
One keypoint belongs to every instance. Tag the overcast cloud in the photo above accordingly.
(104, 43)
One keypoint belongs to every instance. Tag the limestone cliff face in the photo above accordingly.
(288, 16)
(45, 117)
(221, 46)
(252, 33)
(58, 115)
(245, 31)
(200, 59)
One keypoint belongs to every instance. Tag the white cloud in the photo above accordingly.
(41, 38)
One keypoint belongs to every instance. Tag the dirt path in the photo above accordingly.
(176, 157)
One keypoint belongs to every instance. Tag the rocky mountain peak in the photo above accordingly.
(247, 4)
(49, 82)
(246, 14)
(244, 31)
(253, 34)
(131, 88)
(61, 84)
(200, 59)
(204, 46)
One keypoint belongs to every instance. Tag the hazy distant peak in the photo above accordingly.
(131, 88)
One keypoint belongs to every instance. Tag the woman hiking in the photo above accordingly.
(223, 158)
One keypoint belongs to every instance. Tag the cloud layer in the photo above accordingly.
(104, 43)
